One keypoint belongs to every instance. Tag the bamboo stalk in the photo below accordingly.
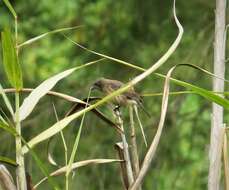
(225, 160)
(218, 85)
(20, 171)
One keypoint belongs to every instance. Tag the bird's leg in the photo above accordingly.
(117, 110)
(117, 114)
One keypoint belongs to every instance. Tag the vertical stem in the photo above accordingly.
(20, 171)
(65, 148)
(218, 85)
(125, 149)
(66, 158)
(225, 160)
(134, 148)
(119, 148)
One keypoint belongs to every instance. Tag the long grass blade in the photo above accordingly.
(10, 60)
(30, 102)
(6, 101)
(34, 39)
(76, 165)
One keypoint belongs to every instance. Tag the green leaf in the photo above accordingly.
(30, 41)
(9, 6)
(213, 97)
(6, 100)
(38, 161)
(10, 60)
(7, 161)
(8, 128)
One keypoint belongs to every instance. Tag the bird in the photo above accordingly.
(130, 97)
(107, 86)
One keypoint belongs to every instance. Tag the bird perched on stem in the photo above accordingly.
(107, 86)
(130, 97)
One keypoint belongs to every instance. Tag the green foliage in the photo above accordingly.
(139, 33)
(10, 60)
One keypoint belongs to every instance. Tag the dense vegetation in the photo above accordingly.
(138, 33)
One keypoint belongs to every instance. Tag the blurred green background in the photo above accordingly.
(138, 32)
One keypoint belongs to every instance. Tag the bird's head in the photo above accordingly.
(97, 85)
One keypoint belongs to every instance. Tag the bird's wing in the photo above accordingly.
(115, 85)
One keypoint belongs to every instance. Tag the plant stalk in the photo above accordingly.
(20, 171)
(218, 85)
(134, 148)
(129, 170)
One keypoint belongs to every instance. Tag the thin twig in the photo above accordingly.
(52, 93)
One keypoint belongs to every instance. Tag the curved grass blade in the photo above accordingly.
(6, 100)
(30, 41)
(10, 60)
(30, 102)
(76, 165)
(8, 128)
(213, 97)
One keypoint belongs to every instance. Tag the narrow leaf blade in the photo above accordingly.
(9, 6)
(30, 102)
(10, 60)
(8, 128)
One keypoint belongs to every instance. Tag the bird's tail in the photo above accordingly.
(143, 108)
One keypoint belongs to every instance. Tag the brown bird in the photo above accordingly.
(107, 86)
(130, 97)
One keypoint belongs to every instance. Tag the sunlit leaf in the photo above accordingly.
(10, 60)
(30, 102)
(78, 165)
(8, 128)
(44, 88)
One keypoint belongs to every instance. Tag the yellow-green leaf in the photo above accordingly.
(31, 101)
(7, 160)
(10, 60)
